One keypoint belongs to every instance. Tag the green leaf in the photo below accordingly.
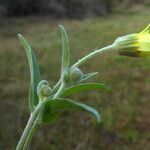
(53, 107)
(83, 87)
(34, 73)
(65, 49)
(87, 76)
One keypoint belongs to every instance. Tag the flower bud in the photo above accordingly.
(43, 89)
(43, 82)
(135, 45)
(73, 75)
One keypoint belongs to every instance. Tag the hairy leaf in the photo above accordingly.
(53, 107)
(65, 49)
(87, 76)
(83, 87)
(34, 73)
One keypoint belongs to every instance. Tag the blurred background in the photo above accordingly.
(90, 24)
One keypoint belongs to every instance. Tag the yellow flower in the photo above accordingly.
(134, 45)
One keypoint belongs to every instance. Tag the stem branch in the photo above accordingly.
(32, 124)
(91, 55)
(59, 90)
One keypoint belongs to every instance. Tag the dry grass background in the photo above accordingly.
(125, 110)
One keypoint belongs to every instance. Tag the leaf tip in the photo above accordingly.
(19, 36)
(61, 27)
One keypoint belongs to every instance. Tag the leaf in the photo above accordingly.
(83, 87)
(50, 117)
(53, 107)
(87, 76)
(34, 73)
(65, 49)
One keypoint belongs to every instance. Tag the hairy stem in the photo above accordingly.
(31, 133)
(33, 124)
(56, 86)
(27, 129)
(92, 54)
(61, 88)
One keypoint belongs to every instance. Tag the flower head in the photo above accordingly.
(134, 45)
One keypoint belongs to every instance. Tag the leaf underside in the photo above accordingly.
(65, 49)
(34, 73)
(53, 108)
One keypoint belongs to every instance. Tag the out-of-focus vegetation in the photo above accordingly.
(125, 110)
(65, 8)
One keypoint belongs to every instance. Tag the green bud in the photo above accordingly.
(43, 89)
(73, 75)
(43, 82)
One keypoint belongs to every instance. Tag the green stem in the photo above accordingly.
(56, 86)
(61, 88)
(27, 129)
(33, 123)
(31, 133)
(91, 55)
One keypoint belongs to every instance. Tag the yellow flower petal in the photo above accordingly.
(134, 45)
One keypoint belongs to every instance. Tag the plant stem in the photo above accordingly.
(33, 124)
(56, 86)
(31, 133)
(27, 129)
(59, 90)
(92, 54)
(36, 124)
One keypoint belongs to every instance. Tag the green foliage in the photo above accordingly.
(44, 102)
(50, 105)
(53, 107)
(117, 71)
(34, 73)
(83, 87)
(65, 50)
(87, 76)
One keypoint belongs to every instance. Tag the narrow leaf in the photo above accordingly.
(53, 107)
(65, 49)
(34, 73)
(83, 87)
(87, 76)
